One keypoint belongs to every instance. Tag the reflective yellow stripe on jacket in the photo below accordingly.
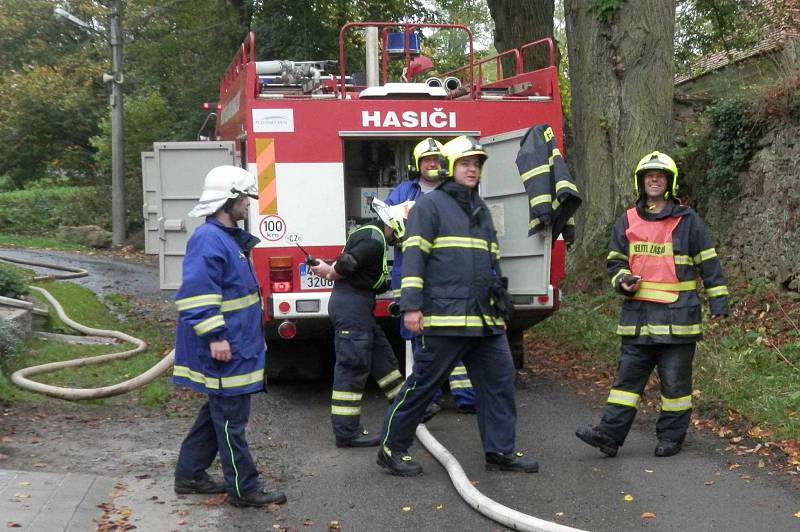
(203, 300)
(213, 383)
(460, 242)
(417, 241)
(461, 321)
(209, 324)
(240, 302)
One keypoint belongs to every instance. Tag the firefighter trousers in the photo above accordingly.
(458, 381)
(220, 428)
(489, 363)
(362, 349)
(636, 363)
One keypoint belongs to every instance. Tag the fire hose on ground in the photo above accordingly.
(504, 515)
(21, 377)
(495, 511)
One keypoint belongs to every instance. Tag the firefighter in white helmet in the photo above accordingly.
(449, 297)
(428, 174)
(658, 248)
(362, 349)
(219, 345)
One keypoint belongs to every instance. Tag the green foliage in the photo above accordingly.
(585, 322)
(605, 10)
(13, 282)
(731, 144)
(703, 27)
(51, 92)
(40, 211)
(10, 344)
(738, 369)
(148, 119)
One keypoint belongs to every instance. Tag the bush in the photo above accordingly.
(13, 283)
(41, 210)
(10, 343)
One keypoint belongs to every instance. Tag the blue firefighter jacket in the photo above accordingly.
(219, 299)
(405, 191)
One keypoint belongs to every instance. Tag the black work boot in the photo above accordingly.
(398, 463)
(207, 485)
(597, 438)
(467, 409)
(668, 448)
(365, 439)
(511, 462)
(257, 498)
(431, 410)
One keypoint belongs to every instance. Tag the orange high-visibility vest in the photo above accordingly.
(650, 256)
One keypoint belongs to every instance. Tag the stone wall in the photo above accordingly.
(759, 234)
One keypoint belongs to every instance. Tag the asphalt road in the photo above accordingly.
(291, 438)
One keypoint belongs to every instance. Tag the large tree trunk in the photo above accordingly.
(621, 77)
(517, 22)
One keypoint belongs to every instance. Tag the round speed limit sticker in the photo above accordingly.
(272, 228)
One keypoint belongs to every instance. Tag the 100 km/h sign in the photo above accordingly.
(272, 228)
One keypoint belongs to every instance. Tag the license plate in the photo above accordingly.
(310, 281)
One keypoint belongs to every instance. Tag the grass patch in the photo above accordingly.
(35, 242)
(748, 363)
(83, 306)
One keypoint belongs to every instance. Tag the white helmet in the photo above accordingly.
(223, 183)
(393, 216)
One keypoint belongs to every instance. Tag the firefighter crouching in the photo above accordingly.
(450, 257)
(657, 249)
(219, 345)
(362, 349)
(428, 162)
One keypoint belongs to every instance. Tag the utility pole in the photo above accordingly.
(114, 38)
(118, 224)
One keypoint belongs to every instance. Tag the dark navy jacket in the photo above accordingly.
(450, 253)
(646, 322)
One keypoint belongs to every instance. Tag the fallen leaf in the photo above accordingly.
(648, 515)
(761, 464)
(797, 515)
(559, 514)
(22, 495)
(308, 522)
(439, 506)
(709, 483)
(734, 466)
(182, 522)
(11, 524)
(407, 508)
(474, 482)
(737, 439)
(628, 498)
(648, 470)
(25, 483)
(334, 525)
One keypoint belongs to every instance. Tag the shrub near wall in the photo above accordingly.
(40, 211)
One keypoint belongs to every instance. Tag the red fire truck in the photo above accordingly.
(323, 140)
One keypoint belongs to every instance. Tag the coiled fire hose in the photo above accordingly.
(495, 511)
(20, 377)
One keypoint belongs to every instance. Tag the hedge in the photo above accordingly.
(40, 211)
